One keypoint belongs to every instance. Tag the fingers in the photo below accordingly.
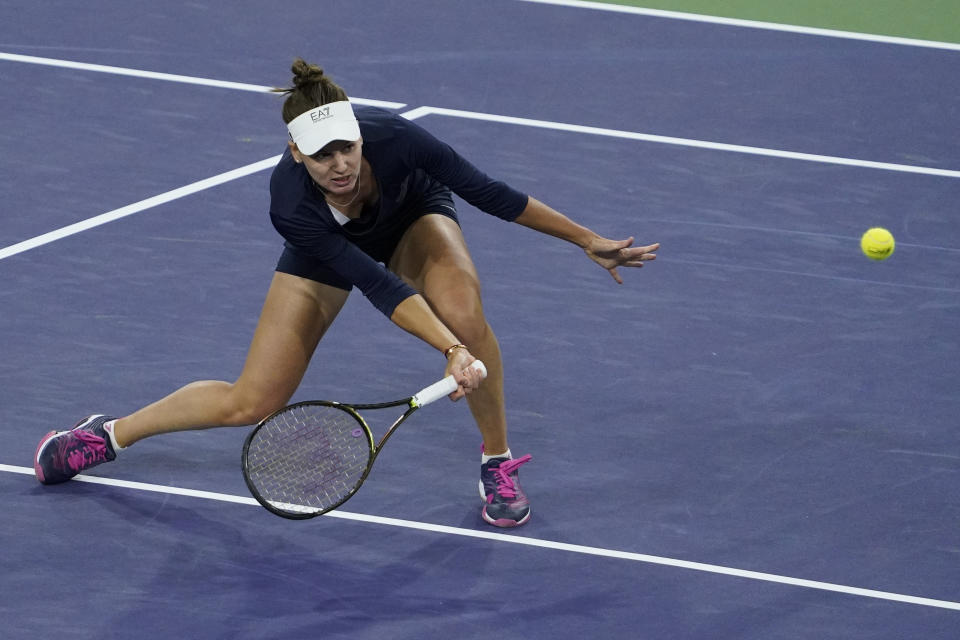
(636, 256)
(465, 388)
(651, 247)
(468, 379)
(640, 253)
(627, 256)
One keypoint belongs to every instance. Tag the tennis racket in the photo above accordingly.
(310, 457)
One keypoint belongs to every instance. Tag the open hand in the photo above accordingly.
(611, 254)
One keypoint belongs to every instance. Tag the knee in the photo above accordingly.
(459, 306)
(464, 316)
(473, 331)
(250, 406)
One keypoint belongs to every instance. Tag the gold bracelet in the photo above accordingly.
(449, 350)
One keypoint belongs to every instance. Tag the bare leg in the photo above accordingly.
(296, 314)
(433, 258)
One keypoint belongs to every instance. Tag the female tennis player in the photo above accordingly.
(362, 198)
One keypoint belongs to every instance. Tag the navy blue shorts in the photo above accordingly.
(379, 243)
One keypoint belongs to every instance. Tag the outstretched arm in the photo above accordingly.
(609, 254)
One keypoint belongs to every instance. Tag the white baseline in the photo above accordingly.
(530, 542)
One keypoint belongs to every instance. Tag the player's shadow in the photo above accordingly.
(240, 568)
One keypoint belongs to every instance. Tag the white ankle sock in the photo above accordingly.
(484, 459)
(108, 427)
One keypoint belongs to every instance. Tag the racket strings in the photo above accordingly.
(308, 459)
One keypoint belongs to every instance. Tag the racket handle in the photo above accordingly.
(444, 387)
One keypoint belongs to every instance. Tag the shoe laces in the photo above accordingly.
(501, 475)
(93, 449)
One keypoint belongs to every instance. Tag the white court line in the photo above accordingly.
(136, 207)
(530, 542)
(157, 200)
(752, 24)
(170, 77)
(419, 112)
(686, 142)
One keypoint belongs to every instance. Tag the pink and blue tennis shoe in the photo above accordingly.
(505, 504)
(63, 454)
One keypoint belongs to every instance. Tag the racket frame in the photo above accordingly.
(422, 398)
(354, 411)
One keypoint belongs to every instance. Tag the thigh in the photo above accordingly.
(432, 257)
(296, 314)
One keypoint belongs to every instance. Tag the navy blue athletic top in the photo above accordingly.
(403, 157)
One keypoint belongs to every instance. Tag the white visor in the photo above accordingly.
(317, 128)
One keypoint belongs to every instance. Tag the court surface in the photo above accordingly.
(754, 437)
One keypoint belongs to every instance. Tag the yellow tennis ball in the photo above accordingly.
(877, 243)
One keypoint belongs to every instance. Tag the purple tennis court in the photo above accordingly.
(753, 437)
